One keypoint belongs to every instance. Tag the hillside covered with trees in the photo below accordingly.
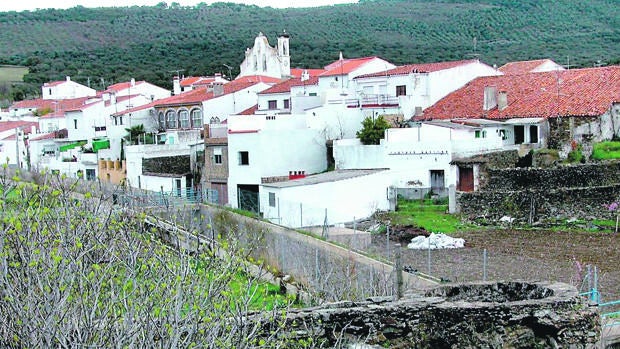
(106, 45)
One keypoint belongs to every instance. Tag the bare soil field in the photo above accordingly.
(525, 255)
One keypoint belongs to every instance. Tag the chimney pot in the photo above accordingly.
(490, 97)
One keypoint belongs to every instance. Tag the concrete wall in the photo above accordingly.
(342, 201)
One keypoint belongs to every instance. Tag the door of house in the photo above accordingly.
(221, 190)
(466, 179)
(437, 181)
(519, 134)
(533, 134)
(178, 187)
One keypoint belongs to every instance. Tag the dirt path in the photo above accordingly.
(525, 255)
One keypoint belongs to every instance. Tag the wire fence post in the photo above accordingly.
(388, 241)
(429, 255)
(398, 270)
(484, 265)
(595, 295)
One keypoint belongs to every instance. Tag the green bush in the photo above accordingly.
(606, 150)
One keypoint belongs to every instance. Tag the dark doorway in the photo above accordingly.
(247, 197)
(533, 134)
(519, 134)
(466, 179)
(437, 181)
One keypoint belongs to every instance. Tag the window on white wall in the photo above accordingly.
(244, 158)
(273, 104)
(217, 155)
(184, 118)
(272, 199)
(287, 103)
(171, 119)
(401, 90)
(197, 118)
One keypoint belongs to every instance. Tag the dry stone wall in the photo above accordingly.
(479, 315)
(544, 194)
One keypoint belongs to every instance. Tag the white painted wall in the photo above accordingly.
(145, 89)
(262, 59)
(67, 89)
(424, 89)
(232, 103)
(344, 200)
(274, 150)
(134, 155)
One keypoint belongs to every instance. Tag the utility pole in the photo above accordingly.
(229, 71)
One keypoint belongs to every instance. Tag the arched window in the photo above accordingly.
(197, 118)
(184, 118)
(161, 120)
(214, 120)
(171, 119)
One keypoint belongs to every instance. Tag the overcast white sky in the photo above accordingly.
(19, 5)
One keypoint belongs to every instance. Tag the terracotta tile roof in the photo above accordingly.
(10, 125)
(84, 106)
(578, 92)
(345, 66)
(197, 80)
(296, 72)
(256, 79)
(522, 67)
(419, 68)
(40, 137)
(135, 109)
(202, 94)
(250, 111)
(52, 104)
(122, 86)
(285, 86)
(54, 83)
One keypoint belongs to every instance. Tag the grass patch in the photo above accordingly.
(9, 73)
(427, 214)
(606, 151)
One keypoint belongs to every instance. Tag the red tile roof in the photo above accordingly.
(578, 92)
(345, 66)
(135, 109)
(52, 104)
(250, 111)
(256, 79)
(54, 83)
(296, 72)
(522, 67)
(10, 125)
(419, 68)
(40, 137)
(202, 94)
(197, 80)
(285, 86)
(84, 106)
(122, 86)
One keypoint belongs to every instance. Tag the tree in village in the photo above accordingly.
(134, 133)
(372, 130)
(76, 271)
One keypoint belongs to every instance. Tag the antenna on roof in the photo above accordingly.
(178, 71)
(567, 66)
(475, 46)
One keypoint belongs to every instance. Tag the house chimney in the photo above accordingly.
(176, 86)
(502, 100)
(418, 111)
(132, 83)
(490, 97)
(218, 89)
(68, 78)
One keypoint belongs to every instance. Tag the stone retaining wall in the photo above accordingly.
(545, 194)
(478, 315)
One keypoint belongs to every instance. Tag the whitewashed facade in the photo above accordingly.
(65, 90)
